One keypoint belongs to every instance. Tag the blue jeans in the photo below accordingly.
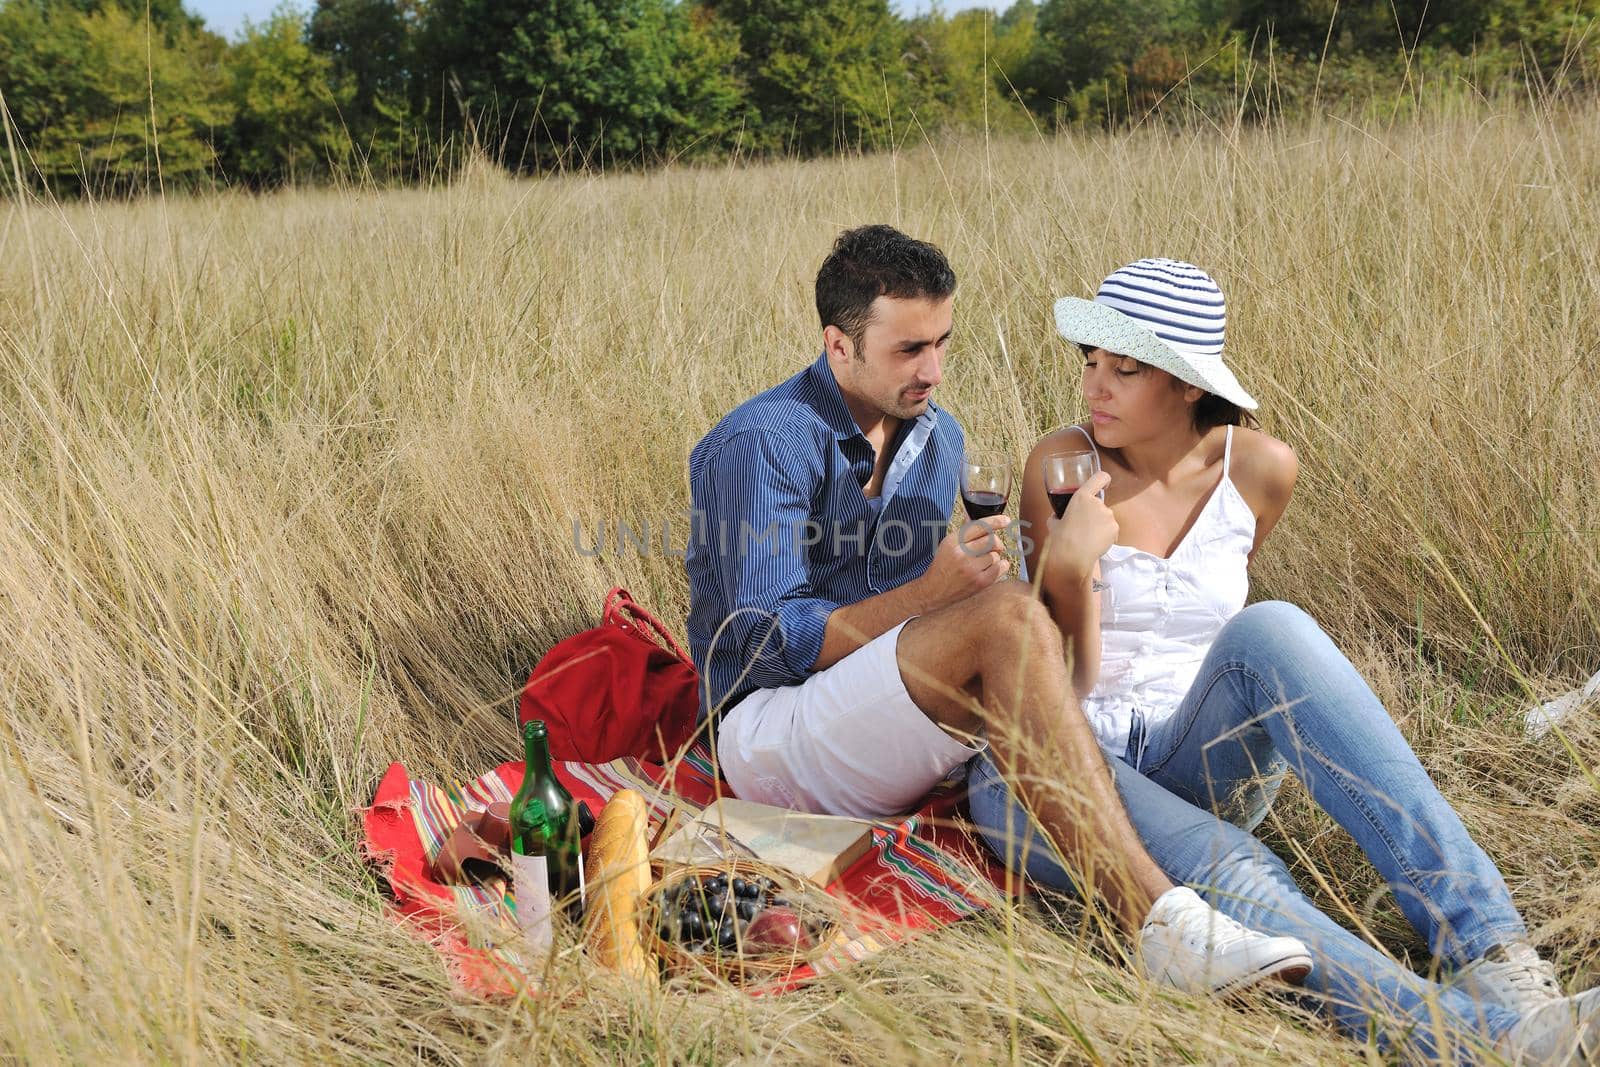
(1274, 693)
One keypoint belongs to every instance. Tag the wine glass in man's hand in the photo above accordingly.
(985, 484)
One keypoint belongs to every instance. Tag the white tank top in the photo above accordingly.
(1159, 616)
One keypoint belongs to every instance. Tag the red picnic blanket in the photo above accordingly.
(924, 873)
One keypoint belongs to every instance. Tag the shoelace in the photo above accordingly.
(1208, 928)
(1520, 967)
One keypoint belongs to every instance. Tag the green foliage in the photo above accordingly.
(707, 97)
(286, 118)
(604, 77)
(1548, 29)
(375, 51)
(80, 87)
(964, 66)
(1094, 59)
(820, 74)
(369, 44)
(100, 90)
(1099, 61)
(166, 16)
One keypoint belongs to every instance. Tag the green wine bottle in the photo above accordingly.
(546, 856)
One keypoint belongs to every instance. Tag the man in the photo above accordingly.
(853, 654)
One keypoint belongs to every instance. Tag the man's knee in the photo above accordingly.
(1016, 624)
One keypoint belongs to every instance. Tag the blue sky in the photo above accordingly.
(227, 16)
(917, 7)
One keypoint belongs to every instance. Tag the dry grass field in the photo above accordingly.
(287, 491)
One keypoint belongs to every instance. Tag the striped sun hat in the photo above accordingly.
(1163, 312)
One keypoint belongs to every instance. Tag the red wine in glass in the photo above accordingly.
(1063, 473)
(981, 505)
(985, 484)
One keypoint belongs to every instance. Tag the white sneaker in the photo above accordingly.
(1510, 976)
(1538, 719)
(1556, 1034)
(1188, 945)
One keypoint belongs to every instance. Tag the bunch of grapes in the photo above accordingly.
(726, 913)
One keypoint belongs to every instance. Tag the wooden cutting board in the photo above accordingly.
(816, 847)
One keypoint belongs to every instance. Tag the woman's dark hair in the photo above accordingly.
(873, 261)
(1213, 410)
(1210, 410)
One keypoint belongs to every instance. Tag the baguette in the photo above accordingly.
(619, 866)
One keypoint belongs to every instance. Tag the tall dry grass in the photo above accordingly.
(289, 490)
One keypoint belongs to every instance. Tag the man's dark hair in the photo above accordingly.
(873, 261)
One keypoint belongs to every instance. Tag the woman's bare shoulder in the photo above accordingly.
(1264, 468)
(1061, 439)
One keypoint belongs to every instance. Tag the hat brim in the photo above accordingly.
(1084, 322)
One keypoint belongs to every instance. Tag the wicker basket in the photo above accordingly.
(733, 965)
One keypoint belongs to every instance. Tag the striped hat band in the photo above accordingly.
(1163, 312)
(1178, 302)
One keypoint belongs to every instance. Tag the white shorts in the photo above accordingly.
(846, 741)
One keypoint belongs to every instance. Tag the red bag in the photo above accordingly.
(615, 691)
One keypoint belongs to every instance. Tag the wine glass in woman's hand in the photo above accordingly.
(1064, 472)
(985, 484)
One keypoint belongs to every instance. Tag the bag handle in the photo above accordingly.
(620, 603)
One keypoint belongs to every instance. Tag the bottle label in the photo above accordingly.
(530, 884)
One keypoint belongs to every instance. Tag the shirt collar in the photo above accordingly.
(831, 406)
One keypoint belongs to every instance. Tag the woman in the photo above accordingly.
(1200, 700)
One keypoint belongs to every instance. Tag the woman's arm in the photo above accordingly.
(1064, 559)
(1266, 479)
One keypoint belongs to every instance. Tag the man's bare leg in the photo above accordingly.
(996, 660)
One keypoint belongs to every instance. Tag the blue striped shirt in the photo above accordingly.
(783, 533)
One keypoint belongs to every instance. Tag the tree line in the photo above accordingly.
(116, 95)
